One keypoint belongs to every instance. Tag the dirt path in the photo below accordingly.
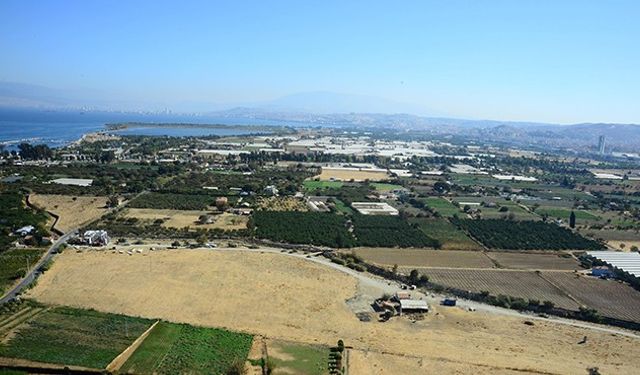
(124, 356)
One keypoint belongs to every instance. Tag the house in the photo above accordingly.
(25, 230)
(271, 190)
(95, 237)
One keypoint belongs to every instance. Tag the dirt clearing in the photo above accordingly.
(182, 218)
(340, 174)
(287, 298)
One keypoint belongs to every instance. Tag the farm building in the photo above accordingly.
(73, 181)
(95, 237)
(271, 190)
(625, 262)
(25, 230)
(413, 305)
(602, 271)
(374, 208)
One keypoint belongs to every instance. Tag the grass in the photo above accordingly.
(293, 358)
(562, 213)
(311, 185)
(448, 234)
(385, 187)
(341, 207)
(179, 348)
(442, 206)
(70, 336)
(13, 265)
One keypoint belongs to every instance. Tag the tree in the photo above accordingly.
(112, 201)
(572, 220)
(414, 276)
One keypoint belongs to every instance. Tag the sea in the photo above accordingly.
(59, 128)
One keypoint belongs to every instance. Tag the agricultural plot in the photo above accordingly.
(73, 211)
(515, 260)
(609, 297)
(184, 218)
(73, 337)
(341, 174)
(441, 206)
(314, 228)
(173, 201)
(281, 204)
(525, 235)
(389, 231)
(421, 258)
(180, 348)
(564, 213)
(450, 236)
(383, 187)
(13, 265)
(522, 284)
(512, 210)
(294, 358)
(312, 185)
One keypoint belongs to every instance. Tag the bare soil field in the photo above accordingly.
(181, 219)
(339, 174)
(529, 261)
(624, 245)
(282, 204)
(420, 258)
(73, 211)
(609, 297)
(293, 299)
(523, 284)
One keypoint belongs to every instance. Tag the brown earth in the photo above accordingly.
(288, 298)
(424, 258)
(74, 211)
(347, 175)
(184, 218)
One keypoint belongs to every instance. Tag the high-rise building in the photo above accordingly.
(601, 144)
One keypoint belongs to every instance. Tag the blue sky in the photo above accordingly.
(555, 61)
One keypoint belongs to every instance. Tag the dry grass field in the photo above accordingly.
(293, 299)
(523, 284)
(528, 261)
(420, 258)
(340, 174)
(281, 204)
(181, 219)
(73, 211)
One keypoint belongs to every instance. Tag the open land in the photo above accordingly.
(338, 174)
(194, 286)
(74, 211)
(422, 258)
(182, 218)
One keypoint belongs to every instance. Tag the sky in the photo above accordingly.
(549, 61)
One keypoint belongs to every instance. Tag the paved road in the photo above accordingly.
(34, 273)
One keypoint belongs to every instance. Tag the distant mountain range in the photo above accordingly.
(343, 110)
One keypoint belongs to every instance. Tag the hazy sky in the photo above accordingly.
(557, 61)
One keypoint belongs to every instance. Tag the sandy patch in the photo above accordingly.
(336, 174)
(293, 299)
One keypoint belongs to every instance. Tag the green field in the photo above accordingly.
(450, 236)
(442, 206)
(179, 348)
(518, 212)
(13, 265)
(562, 213)
(311, 185)
(291, 358)
(341, 207)
(385, 187)
(74, 337)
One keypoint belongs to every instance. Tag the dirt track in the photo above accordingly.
(293, 299)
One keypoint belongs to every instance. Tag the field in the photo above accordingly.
(73, 337)
(525, 235)
(173, 201)
(534, 261)
(180, 219)
(379, 186)
(294, 358)
(73, 211)
(450, 236)
(523, 284)
(193, 286)
(281, 204)
(312, 185)
(338, 174)
(314, 228)
(442, 206)
(13, 265)
(179, 348)
(563, 214)
(608, 297)
(389, 231)
(420, 258)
